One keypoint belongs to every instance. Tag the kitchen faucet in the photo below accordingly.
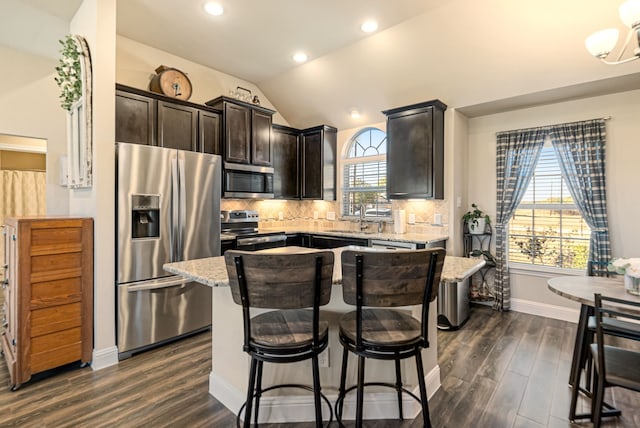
(363, 224)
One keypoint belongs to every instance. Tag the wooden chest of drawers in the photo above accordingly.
(48, 292)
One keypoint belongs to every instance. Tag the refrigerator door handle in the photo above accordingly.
(157, 284)
(183, 208)
(175, 205)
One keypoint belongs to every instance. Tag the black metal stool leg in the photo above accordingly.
(343, 380)
(316, 390)
(423, 391)
(360, 393)
(252, 382)
(258, 392)
(399, 388)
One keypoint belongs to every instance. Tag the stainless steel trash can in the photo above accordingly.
(453, 304)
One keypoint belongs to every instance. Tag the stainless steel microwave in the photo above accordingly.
(247, 181)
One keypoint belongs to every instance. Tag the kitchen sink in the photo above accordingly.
(353, 232)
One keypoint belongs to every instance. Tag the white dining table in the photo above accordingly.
(582, 289)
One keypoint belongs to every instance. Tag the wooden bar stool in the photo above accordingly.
(378, 281)
(290, 284)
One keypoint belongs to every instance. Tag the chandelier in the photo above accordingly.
(601, 43)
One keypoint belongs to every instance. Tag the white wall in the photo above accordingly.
(95, 20)
(623, 173)
(136, 64)
(29, 106)
(455, 186)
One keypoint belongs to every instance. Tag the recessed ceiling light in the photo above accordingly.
(214, 9)
(300, 57)
(355, 114)
(369, 26)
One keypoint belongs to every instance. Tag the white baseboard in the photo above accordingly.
(545, 310)
(106, 357)
(230, 396)
(300, 408)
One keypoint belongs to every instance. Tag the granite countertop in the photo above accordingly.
(417, 238)
(212, 271)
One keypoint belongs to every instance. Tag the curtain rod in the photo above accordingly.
(556, 124)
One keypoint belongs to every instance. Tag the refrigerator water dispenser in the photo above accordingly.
(145, 218)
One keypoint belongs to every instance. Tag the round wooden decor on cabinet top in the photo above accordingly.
(171, 82)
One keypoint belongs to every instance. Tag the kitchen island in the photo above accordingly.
(230, 365)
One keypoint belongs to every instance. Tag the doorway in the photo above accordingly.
(22, 181)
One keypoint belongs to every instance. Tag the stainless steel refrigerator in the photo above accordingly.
(168, 209)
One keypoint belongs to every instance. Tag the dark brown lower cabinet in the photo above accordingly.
(48, 291)
(324, 241)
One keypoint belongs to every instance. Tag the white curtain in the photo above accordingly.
(22, 193)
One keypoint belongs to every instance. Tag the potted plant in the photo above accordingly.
(476, 220)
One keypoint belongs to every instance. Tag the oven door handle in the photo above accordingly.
(260, 240)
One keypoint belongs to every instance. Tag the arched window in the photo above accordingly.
(365, 175)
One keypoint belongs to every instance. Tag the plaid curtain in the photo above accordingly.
(517, 153)
(581, 152)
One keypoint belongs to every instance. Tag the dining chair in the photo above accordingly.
(294, 286)
(377, 283)
(611, 326)
(614, 365)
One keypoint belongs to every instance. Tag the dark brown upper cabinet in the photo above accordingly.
(261, 149)
(318, 147)
(148, 118)
(135, 118)
(415, 151)
(246, 131)
(177, 126)
(286, 162)
(209, 129)
(237, 133)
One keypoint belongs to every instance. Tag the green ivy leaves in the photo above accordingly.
(69, 71)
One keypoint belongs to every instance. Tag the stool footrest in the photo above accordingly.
(287, 385)
(340, 399)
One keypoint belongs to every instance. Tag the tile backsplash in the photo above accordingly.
(294, 213)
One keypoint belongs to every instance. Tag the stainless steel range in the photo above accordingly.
(241, 226)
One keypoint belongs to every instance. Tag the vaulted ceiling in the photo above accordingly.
(477, 56)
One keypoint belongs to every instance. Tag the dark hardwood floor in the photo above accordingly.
(499, 370)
